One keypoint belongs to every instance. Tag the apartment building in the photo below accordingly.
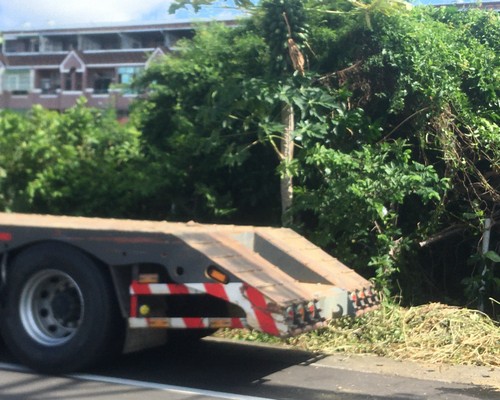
(55, 67)
(493, 5)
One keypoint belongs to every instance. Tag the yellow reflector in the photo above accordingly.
(217, 275)
(144, 310)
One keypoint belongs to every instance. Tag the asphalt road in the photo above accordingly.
(215, 369)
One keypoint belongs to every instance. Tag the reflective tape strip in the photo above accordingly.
(133, 306)
(195, 322)
(260, 307)
(255, 305)
(137, 288)
(134, 322)
(165, 288)
(178, 289)
(219, 290)
(216, 290)
(188, 323)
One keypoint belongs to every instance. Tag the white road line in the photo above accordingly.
(142, 384)
(165, 388)
(14, 367)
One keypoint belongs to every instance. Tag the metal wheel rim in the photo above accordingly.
(51, 307)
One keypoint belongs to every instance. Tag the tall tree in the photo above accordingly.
(283, 24)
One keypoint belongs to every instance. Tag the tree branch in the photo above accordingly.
(446, 233)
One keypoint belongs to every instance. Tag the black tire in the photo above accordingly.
(60, 312)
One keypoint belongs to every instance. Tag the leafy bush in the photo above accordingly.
(81, 162)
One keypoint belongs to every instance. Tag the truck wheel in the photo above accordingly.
(60, 313)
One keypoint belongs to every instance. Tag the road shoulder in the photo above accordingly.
(465, 374)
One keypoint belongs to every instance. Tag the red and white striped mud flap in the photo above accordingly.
(261, 314)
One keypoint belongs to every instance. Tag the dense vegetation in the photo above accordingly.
(396, 133)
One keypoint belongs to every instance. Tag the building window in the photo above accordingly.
(73, 80)
(101, 80)
(12, 46)
(126, 75)
(17, 82)
(49, 81)
(28, 45)
(34, 45)
(60, 43)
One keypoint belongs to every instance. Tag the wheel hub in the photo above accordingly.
(51, 307)
(66, 307)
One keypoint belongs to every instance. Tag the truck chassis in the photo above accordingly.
(77, 290)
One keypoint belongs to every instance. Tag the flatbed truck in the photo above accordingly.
(76, 290)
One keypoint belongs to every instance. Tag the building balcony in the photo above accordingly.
(62, 99)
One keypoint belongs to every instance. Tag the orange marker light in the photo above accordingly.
(217, 275)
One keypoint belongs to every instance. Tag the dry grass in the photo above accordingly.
(433, 333)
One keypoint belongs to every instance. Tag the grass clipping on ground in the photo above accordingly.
(433, 333)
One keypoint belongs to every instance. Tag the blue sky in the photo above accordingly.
(36, 14)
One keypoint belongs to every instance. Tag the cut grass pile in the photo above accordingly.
(433, 333)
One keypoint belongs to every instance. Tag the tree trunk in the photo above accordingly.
(286, 182)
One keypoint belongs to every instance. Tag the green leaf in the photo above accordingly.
(492, 255)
